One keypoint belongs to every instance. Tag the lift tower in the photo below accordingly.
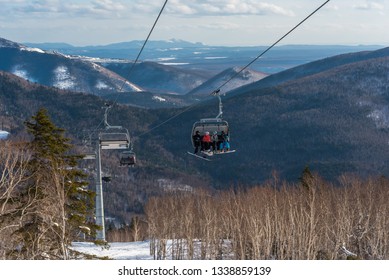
(111, 138)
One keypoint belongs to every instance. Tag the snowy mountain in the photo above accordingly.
(4, 43)
(158, 78)
(232, 76)
(60, 71)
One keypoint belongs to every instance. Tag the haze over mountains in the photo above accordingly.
(207, 59)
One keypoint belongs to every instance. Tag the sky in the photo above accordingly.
(212, 22)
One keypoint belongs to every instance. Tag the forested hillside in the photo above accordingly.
(334, 121)
(312, 68)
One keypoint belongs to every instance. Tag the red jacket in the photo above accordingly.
(206, 138)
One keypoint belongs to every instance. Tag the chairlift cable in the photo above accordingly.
(145, 42)
(270, 47)
(216, 92)
(169, 119)
(136, 60)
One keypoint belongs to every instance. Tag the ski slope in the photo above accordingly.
(116, 250)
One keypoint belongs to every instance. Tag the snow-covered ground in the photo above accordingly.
(116, 250)
(63, 78)
(4, 134)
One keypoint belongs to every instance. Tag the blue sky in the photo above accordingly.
(212, 22)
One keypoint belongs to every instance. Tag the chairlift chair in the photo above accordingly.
(89, 156)
(127, 158)
(106, 179)
(211, 124)
(114, 138)
(117, 138)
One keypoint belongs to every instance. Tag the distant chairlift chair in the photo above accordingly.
(117, 138)
(127, 158)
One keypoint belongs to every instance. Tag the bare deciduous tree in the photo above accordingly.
(14, 160)
(310, 220)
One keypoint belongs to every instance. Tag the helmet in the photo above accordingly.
(215, 132)
(207, 133)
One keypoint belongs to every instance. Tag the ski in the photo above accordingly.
(198, 156)
(226, 152)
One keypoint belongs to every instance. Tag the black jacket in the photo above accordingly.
(196, 139)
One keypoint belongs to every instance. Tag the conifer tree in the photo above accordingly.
(56, 206)
(306, 178)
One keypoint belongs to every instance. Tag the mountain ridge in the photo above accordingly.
(109, 77)
(56, 69)
(234, 76)
(333, 118)
(313, 68)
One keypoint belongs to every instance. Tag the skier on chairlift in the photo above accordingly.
(206, 141)
(197, 141)
(224, 142)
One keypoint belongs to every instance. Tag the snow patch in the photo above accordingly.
(116, 250)
(141, 250)
(170, 185)
(3, 134)
(165, 58)
(363, 103)
(20, 72)
(102, 85)
(380, 117)
(174, 63)
(215, 57)
(32, 50)
(160, 99)
(63, 79)
(133, 87)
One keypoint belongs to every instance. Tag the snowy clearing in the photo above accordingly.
(117, 250)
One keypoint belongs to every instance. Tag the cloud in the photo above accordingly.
(121, 8)
(225, 8)
(55, 8)
(9, 2)
(108, 6)
(37, 6)
(97, 8)
(219, 26)
(368, 6)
